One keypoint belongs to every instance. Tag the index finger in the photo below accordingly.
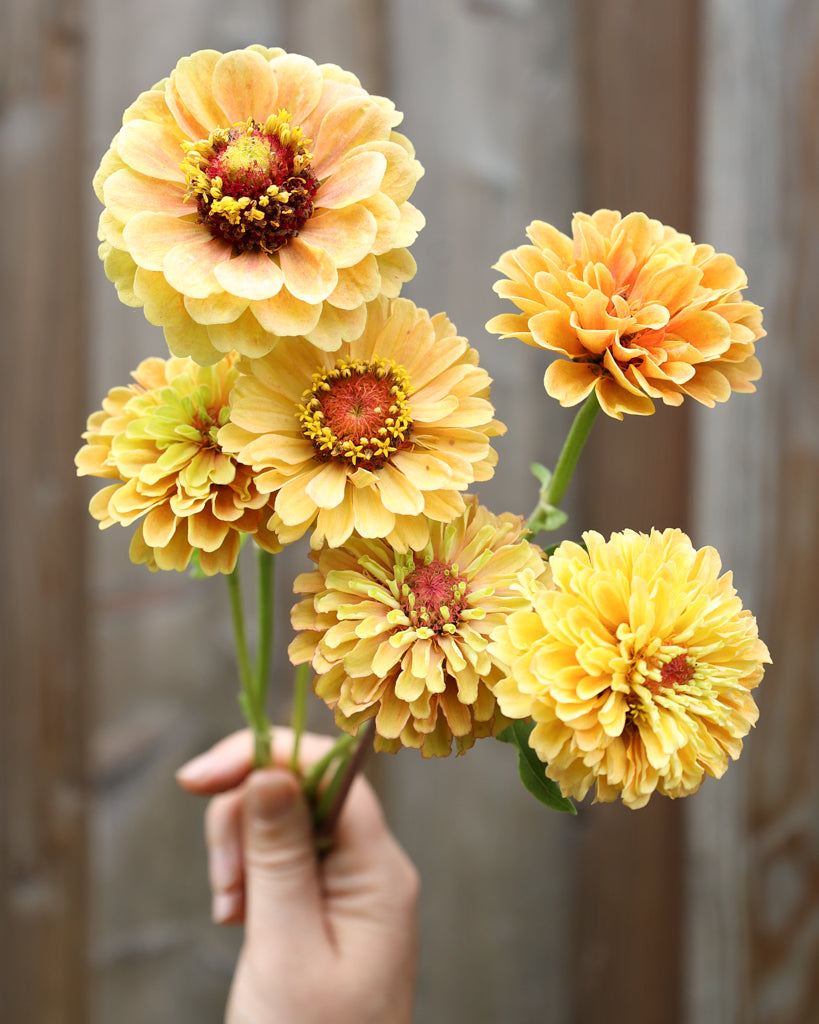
(230, 761)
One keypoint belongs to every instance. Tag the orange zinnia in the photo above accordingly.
(639, 311)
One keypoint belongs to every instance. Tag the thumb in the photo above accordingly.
(282, 891)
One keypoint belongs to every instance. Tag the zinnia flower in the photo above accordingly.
(255, 194)
(378, 438)
(639, 311)
(157, 440)
(637, 667)
(403, 637)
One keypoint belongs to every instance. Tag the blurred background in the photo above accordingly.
(702, 113)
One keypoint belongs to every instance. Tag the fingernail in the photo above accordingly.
(271, 795)
(225, 906)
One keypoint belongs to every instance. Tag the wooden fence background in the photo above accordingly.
(704, 114)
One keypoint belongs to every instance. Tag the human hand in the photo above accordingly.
(326, 940)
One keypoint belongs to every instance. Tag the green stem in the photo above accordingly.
(572, 447)
(298, 718)
(239, 635)
(328, 807)
(251, 699)
(312, 780)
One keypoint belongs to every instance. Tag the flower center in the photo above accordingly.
(252, 183)
(358, 411)
(434, 595)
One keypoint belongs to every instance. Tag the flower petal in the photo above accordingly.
(244, 86)
(309, 272)
(250, 275)
(151, 149)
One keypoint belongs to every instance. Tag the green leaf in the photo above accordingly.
(532, 770)
(544, 516)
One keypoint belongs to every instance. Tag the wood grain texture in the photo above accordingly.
(753, 905)
(637, 90)
(43, 806)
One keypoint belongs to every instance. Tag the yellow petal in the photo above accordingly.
(285, 315)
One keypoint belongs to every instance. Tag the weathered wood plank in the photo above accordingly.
(43, 807)
(754, 897)
(636, 65)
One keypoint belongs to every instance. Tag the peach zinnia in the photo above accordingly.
(403, 637)
(256, 194)
(637, 666)
(157, 439)
(637, 309)
(379, 437)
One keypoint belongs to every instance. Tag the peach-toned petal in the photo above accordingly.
(347, 235)
(309, 272)
(357, 285)
(151, 149)
(220, 308)
(357, 178)
(286, 315)
(244, 334)
(244, 86)
(189, 94)
(193, 340)
(299, 84)
(251, 275)
(151, 236)
(346, 125)
(337, 326)
(189, 267)
(127, 193)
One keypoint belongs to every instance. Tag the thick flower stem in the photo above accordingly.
(572, 447)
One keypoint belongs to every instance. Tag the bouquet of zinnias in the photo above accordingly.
(256, 206)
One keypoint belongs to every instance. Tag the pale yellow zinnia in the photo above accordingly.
(256, 194)
(156, 439)
(636, 664)
(403, 637)
(637, 310)
(379, 437)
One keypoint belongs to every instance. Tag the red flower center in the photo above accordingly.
(434, 595)
(677, 672)
(252, 183)
(357, 411)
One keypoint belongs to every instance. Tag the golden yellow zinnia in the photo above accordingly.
(639, 311)
(256, 194)
(636, 664)
(403, 637)
(379, 437)
(157, 439)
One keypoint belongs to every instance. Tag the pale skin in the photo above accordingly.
(326, 939)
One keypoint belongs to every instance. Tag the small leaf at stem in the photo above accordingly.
(532, 769)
